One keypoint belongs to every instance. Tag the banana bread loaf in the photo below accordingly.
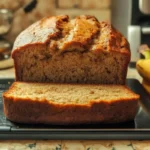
(81, 50)
(69, 103)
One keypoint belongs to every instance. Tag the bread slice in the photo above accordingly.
(69, 103)
(80, 50)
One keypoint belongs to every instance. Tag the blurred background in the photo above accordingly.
(115, 11)
(130, 17)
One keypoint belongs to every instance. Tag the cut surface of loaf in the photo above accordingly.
(80, 50)
(51, 103)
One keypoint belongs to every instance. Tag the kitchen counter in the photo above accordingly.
(73, 145)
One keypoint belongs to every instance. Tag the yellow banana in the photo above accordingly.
(143, 67)
(146, 85)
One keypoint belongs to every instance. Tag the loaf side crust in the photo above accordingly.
(50, 113)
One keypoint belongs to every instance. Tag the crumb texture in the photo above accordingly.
(70, 93)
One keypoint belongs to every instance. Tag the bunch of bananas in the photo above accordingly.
(143, 67)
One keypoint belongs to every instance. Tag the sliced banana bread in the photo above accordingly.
(81, 50)
(51, 103)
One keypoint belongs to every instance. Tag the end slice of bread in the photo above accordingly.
(50, 103)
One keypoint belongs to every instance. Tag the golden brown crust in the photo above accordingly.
(40, 32)
(48, 112)
(111, 39)
(82, 33)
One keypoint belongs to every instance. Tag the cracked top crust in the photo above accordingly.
(84, 33)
